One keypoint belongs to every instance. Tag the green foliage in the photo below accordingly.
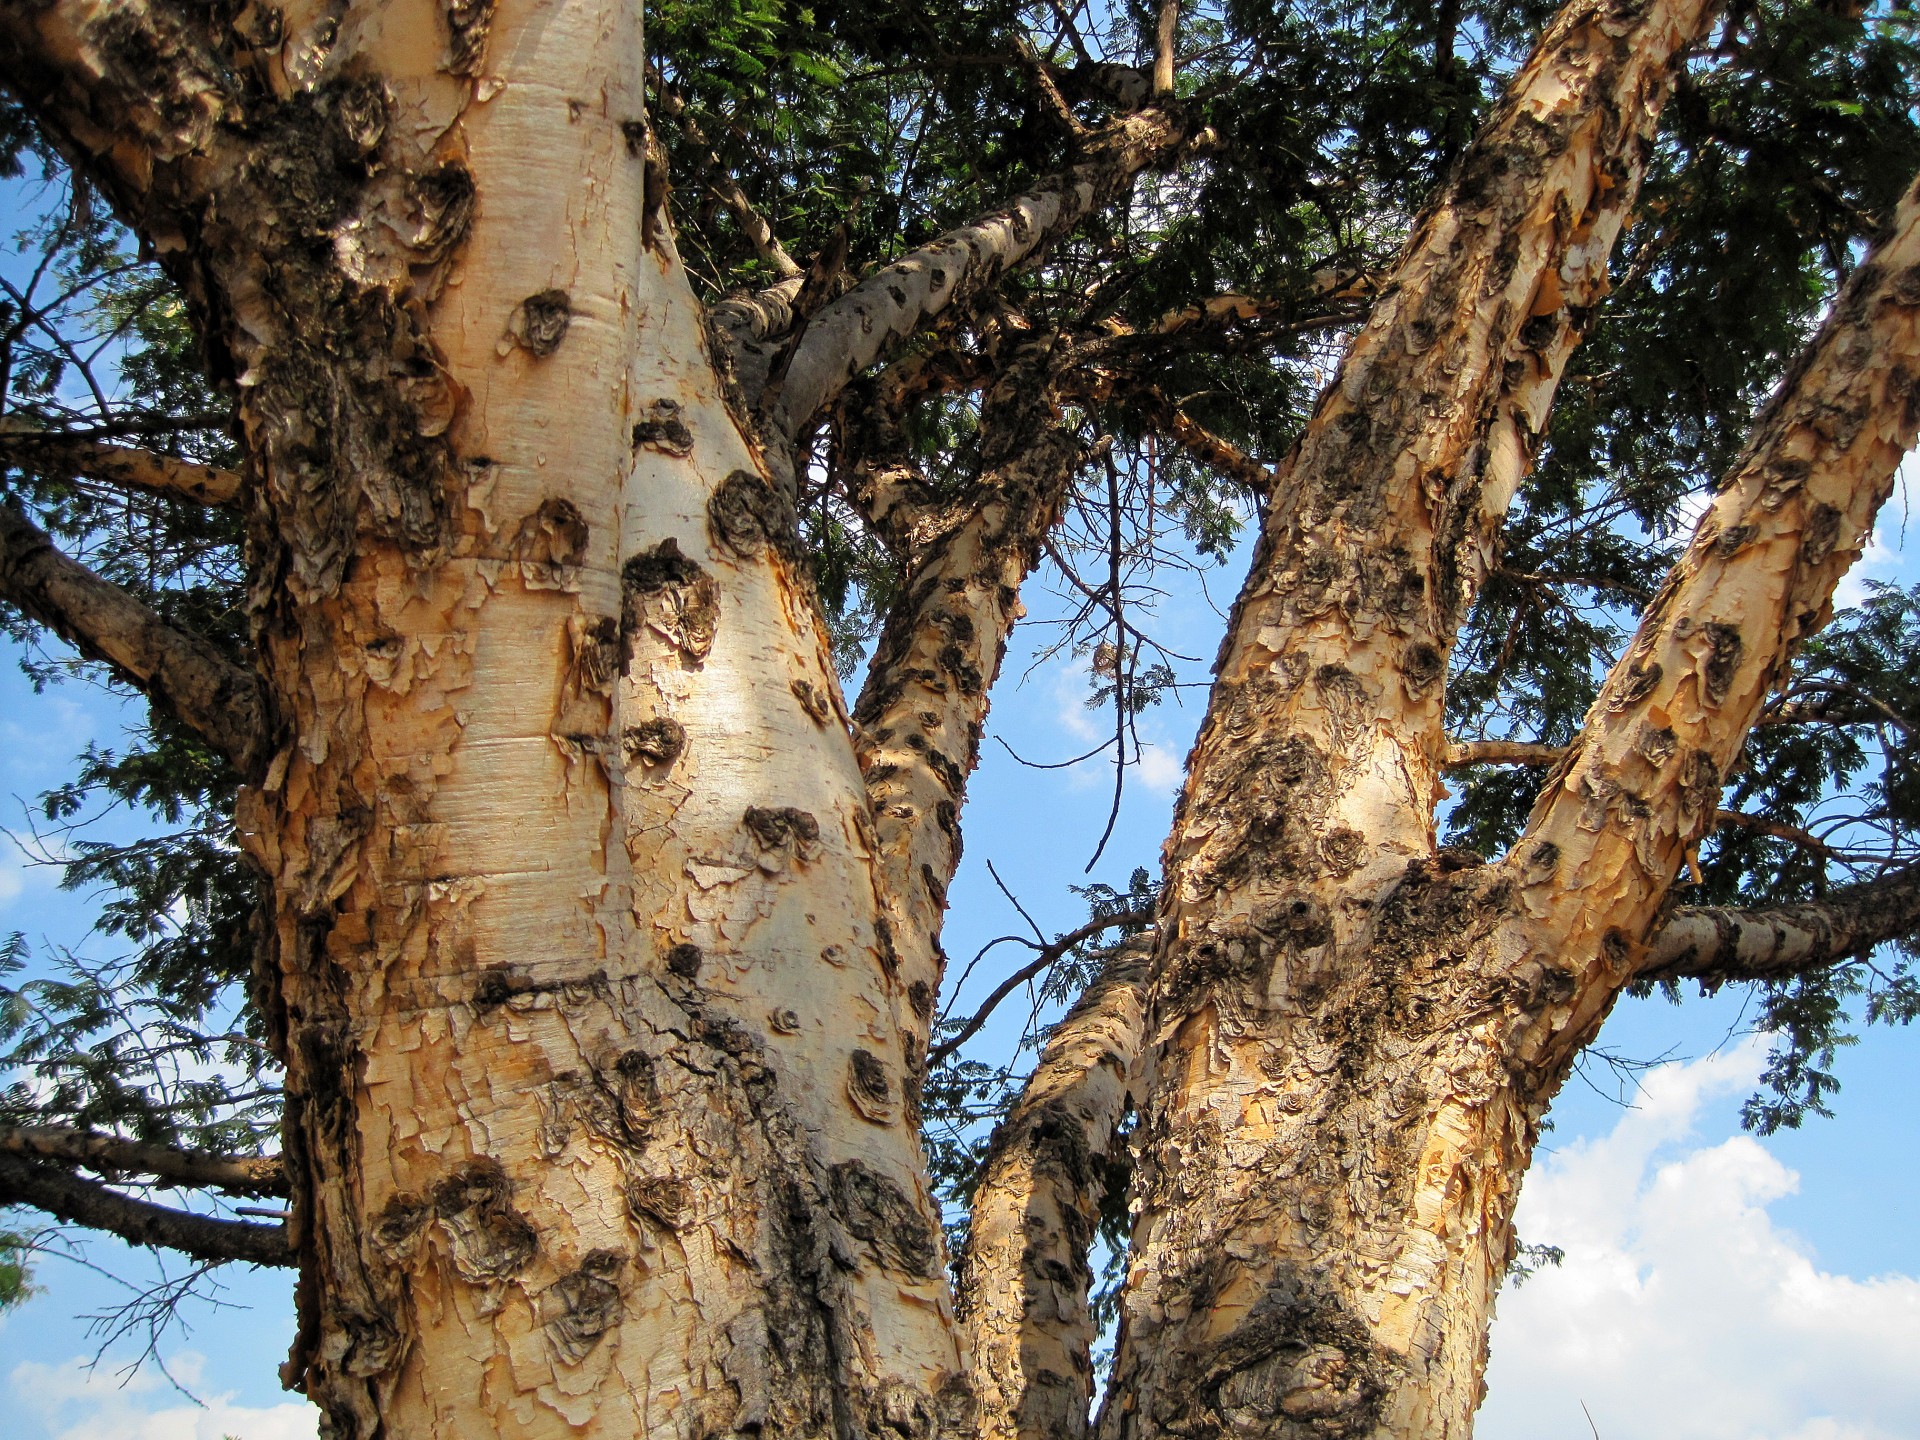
(157, 1040)
(16, 1275)
(1529, 1260)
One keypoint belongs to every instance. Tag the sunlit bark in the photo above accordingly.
(1324, 1191)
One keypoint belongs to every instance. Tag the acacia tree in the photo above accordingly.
(492, 587)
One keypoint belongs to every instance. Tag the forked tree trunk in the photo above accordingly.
(1356, 1034)
(601, 996)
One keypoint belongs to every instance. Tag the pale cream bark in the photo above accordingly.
(597, 1119)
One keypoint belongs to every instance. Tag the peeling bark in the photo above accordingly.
(1024, 1277)
(1330, 1150)
(1641, 783)
(594, 1118)
(601, 959)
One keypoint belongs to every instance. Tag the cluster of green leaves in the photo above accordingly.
(16, 1276)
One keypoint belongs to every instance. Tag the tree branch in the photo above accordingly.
(1779, 830)
(1719, 945)
(720, 180)
(1220, 455)
(1024, 1277)
(1044, 958)
(120, 465)
(113, 1157)
(139, 1222)
(181, 673)
(1464, 753)
(925, 699)
(1642, 781)
(1289, 830)
(1165, 34)
(1863, 709)
(852, 332)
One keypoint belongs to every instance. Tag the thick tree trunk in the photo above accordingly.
(597, 1116)
(1332, 1145)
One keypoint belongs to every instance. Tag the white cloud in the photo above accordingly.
(75, 1403)
(1882, 558)
(1161, 765)
(1162, 768)
(1071, 686)
(1682, 1312)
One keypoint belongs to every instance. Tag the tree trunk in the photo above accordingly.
(596, 1116)
(1024, 1277)
(602, 992)
(1332, 1143)
(1359, 1035)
